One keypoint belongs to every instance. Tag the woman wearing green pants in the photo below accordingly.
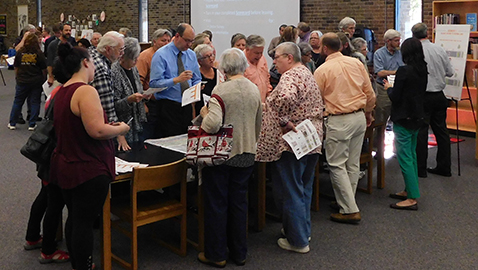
(407, 113)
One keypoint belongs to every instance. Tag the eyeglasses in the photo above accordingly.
(277, 56)
(187, 40)
(207, 56)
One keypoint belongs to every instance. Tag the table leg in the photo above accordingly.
(106, 234)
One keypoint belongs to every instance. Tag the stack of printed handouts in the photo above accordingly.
(123, 166)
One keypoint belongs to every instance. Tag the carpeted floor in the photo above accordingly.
(442, 234)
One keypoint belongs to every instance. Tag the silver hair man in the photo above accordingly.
(289, 48)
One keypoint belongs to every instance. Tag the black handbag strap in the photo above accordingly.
(221, 103)
(49, 110)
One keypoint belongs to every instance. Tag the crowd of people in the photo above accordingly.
(100, 107)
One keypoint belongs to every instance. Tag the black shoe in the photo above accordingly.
(439, 172)
(413, 207)
(20, 121)
(396, 196)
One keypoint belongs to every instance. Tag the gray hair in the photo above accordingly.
(419, 30)
(202, 49)
(305, 48)
(253, 41)
(233, 61)
(290, 48)
(358, 42)
(160, 33)
(346, 21)
(111, 39)
(131, 48)
(125, 31)
(28, 27)
(320, 34)
(391, 34)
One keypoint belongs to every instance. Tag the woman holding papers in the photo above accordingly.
(128, 94)
(295, 99)
(225, 186)
(209, 74)
(83, 162)
(407, 95)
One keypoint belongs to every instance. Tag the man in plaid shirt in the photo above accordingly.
(110, 49)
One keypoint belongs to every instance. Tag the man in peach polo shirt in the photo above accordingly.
(160, 38)
(349, 100)
(257, 71)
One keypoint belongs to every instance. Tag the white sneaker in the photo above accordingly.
(282, 231)
(284, 244)
(10, 127)
(32, 128)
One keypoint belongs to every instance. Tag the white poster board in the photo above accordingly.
(454, 39)
(22, 17)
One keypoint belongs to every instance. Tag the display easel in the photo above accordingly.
(457, 123)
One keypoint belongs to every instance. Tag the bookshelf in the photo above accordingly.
(465, 115)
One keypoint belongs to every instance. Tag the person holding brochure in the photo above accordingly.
(295, 99)
(206, 58)
(175, 66)
(225, 186)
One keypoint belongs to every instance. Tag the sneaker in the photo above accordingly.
(59, 256)
(32, 128)
(282, 231)
(11, 127)
(29, 245)
(284, 244)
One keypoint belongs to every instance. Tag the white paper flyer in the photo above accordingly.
(304, 140)
(192, 94)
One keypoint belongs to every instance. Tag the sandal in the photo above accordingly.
(59, 256)
(29, 245)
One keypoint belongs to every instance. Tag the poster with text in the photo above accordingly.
(454, 39)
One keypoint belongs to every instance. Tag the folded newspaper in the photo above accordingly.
(123, 166)
(305, 140)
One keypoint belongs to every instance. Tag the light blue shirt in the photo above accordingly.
(164, 68)
(438, 65)
(384, 60)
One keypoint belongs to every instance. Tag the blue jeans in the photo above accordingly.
(225, 212)
(294, 181)
(22, 92)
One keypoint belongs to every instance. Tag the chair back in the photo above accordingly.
(156, 177)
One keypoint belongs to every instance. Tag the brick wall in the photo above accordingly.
(9, 7)
(323, 15)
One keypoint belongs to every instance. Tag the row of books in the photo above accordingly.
(449, 18)
(452, 18)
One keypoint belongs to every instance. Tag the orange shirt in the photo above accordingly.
(345, 85)
(259, 75)
(144, 66)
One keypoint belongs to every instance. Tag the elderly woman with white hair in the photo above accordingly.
(347, 25)
(225, 186)
(295, 99)
(209, 74)
(128, 94)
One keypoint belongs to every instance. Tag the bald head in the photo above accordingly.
(330, 43)
(184, 36)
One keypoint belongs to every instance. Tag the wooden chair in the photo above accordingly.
(144, 208)
(367, 158)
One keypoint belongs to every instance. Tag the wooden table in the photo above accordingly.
(154, 155)
(146, 154)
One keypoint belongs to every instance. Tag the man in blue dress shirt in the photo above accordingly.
(386, 61)
(175, 66)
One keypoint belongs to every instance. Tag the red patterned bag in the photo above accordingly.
(205, 149)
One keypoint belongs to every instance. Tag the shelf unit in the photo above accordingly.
(465, 115)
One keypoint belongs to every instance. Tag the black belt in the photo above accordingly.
(337, 114)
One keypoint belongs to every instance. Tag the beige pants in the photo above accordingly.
(343, 145)
(383, 104)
